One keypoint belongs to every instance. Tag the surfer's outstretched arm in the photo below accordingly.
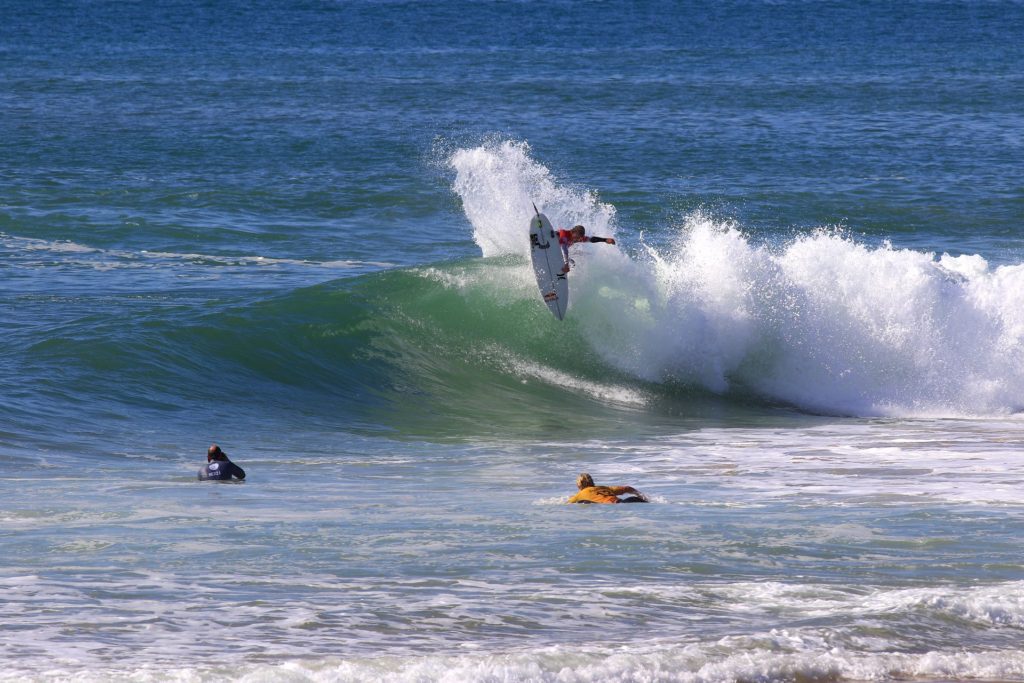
(622, 490)
(577, 234)
(636, 496)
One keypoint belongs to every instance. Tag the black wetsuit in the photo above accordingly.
(221, 470)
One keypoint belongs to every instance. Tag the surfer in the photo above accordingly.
(218, 467)
(588, 493)
(567, 238)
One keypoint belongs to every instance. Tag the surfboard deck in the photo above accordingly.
(548, 264)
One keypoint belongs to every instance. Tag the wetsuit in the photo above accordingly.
(606, 494)
(220, 470)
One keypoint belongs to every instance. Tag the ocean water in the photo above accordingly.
(298, 230)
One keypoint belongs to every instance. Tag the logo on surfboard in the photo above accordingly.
(547, 266)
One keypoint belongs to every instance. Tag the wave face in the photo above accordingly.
(818, 321)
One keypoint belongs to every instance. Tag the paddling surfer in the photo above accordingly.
(218, 467)
(588, 493)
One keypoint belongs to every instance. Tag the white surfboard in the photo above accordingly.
(548, 264)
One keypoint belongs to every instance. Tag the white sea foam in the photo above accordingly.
(928, 461)
(822, 322)
(995, 605)
(774, 656)
(90, 624)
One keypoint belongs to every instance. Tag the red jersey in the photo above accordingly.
(565, 237)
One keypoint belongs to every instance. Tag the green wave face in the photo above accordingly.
(466, 349)
(460, 350)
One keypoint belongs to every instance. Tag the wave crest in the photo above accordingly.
(821, 322)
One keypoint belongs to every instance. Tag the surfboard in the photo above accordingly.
(548, 264)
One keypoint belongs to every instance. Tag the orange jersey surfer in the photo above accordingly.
(588, 493)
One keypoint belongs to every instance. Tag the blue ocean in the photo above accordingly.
(299, 230)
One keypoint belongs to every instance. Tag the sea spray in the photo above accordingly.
(499, 184)
(823, 323)
(893, 331)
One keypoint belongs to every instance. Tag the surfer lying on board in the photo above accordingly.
(567, 238)
(218, 467)
(604, 494)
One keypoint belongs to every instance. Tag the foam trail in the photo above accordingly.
(824, 323)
